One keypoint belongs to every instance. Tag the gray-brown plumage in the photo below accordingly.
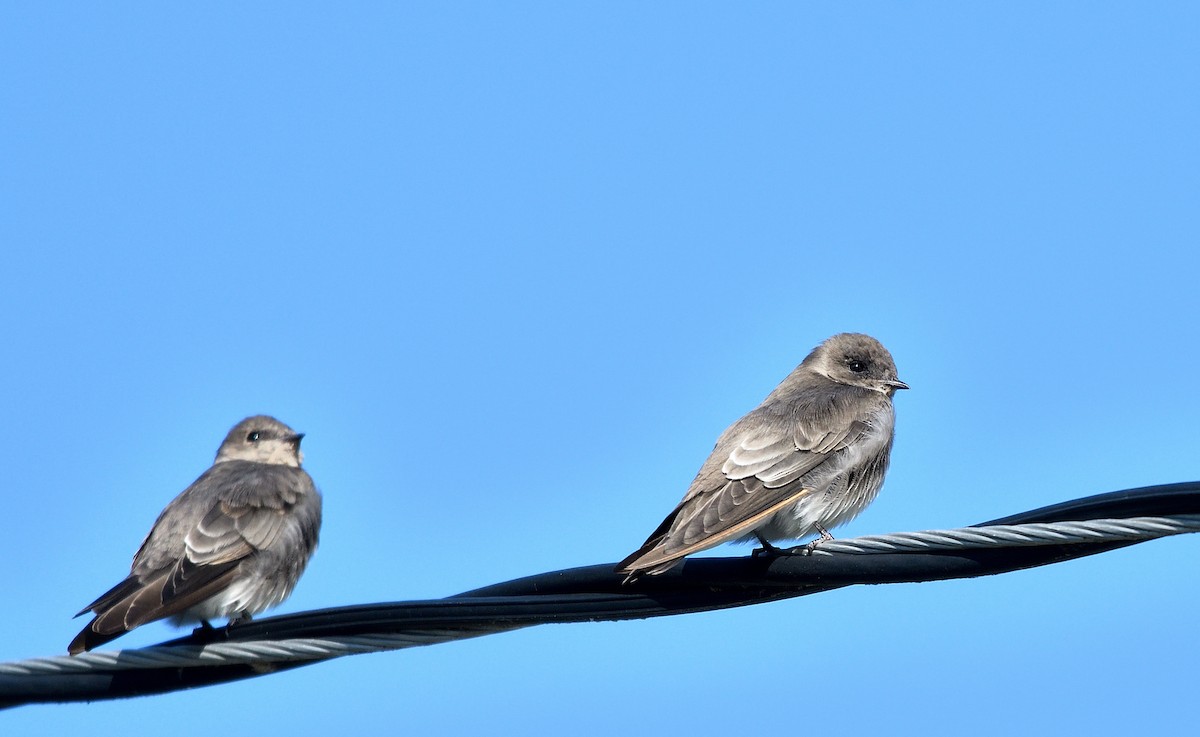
(810, 457)
(231, 545)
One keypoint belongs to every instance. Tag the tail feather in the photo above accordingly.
(134, 602)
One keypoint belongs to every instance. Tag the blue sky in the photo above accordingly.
(514, 267)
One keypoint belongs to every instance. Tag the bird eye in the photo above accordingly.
(856, 365)
(252, 437)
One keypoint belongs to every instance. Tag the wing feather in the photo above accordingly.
(757, 468)
(228, 514)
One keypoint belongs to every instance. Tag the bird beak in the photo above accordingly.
(295, 439)
(895, 384)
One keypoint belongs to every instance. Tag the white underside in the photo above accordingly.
(245, 596)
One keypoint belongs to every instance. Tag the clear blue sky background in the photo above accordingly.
(514, 267)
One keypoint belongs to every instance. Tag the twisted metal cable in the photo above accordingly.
(308, 649)
(1003, 536)
(595, 593)
(304, 649)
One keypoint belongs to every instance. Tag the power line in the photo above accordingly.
(595, 593)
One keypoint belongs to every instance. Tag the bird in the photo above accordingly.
(810, 457)
(232, 544)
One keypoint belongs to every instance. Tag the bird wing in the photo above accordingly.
(248, 514)
(247, 509)
(231, 531)
(756, 470)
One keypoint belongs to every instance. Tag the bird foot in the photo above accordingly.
(205, 632)
(237, 619)
(767, 549)
(808, 548)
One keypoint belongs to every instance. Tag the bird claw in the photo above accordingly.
(774, 552)
(205, 632)
(805, 550)
(767, 549)
(809, 547)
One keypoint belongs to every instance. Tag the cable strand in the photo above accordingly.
(596, 593)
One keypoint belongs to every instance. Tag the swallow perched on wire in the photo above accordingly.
(233, 544)
(809, 458)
